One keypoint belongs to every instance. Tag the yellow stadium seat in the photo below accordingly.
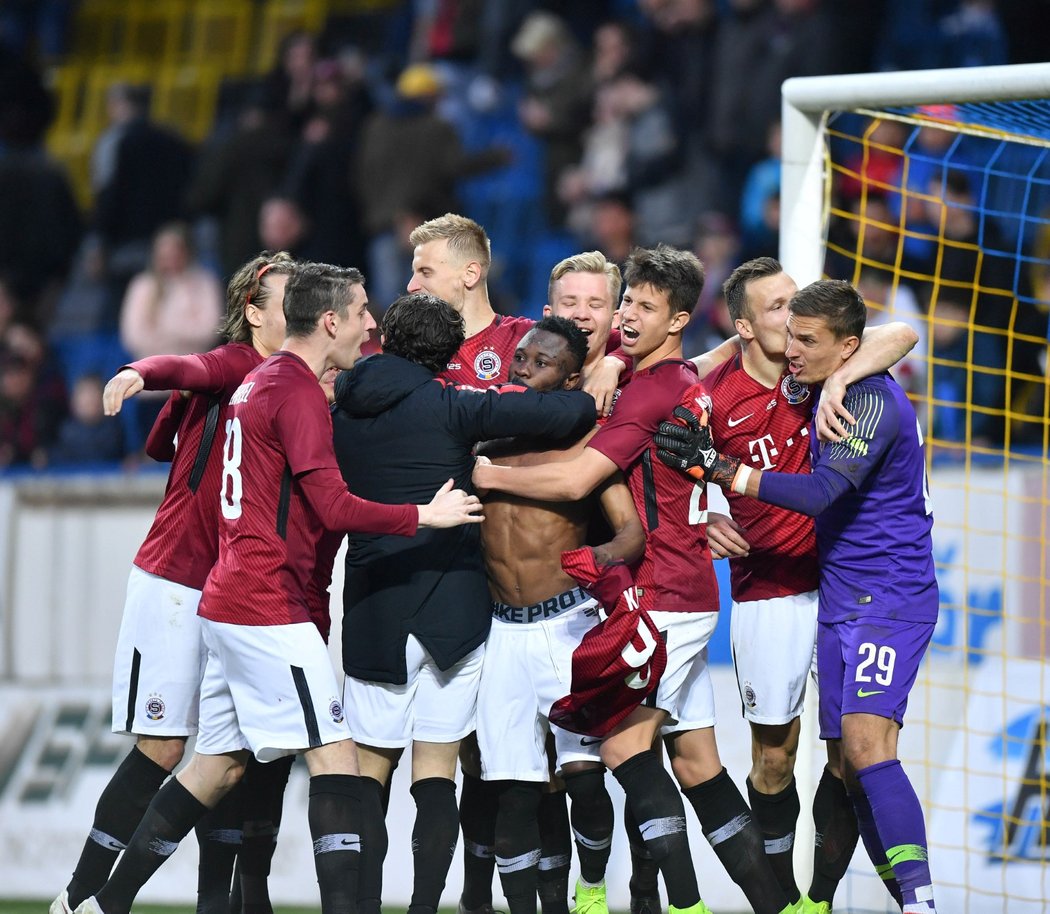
(185, 98)
(154, 32)
(220, 35)
(97, 28)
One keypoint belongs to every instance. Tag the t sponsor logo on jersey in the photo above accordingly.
(794, 391)
(155, 707)
(487, 365)
(335, 709)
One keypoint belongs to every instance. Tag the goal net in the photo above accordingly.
(930, 191)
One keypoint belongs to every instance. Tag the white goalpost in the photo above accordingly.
(976, 741)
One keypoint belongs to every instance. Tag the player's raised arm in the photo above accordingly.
(628, 542)
(881, 348)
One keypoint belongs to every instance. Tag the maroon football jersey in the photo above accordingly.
(183, 542)
(278, 437)
(768, 430)
(676, 573)
(484, 359)
(620, 660)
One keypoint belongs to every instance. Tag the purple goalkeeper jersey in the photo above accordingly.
(874, 542)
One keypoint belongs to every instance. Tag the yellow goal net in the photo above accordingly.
(930, 191)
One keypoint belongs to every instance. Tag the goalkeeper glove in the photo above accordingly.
(690, 448)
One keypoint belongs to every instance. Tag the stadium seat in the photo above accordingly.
(220, 35)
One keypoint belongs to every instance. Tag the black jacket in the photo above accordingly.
(400, 433)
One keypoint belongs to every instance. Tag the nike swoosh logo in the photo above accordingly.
(733, 423)
(584, 741)
(862, 694)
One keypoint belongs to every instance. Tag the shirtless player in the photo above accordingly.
(539, 616)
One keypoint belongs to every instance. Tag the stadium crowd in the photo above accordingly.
(559, 126)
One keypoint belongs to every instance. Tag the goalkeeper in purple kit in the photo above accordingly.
(878, 601)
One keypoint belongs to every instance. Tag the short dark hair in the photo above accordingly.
(313, 289)
(735, 287)
(575, 338)
(678, 274)
(837, 302)
(424, 329)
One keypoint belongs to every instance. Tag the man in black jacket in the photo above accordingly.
(415, 620)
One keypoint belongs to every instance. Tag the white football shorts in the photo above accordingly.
(433, 706)
(774, 651)
(160, 659)
(528, 667)
(685, 691)
(268, 688)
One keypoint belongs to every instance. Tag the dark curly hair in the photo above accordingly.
(575, 339)
(424, 329)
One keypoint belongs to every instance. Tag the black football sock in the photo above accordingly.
(219, 833)
(644, 869)
(477, 818)
(835, 822)
(262, 806)
(735, 839)
(518, 843)
(374, 842)
(120, 809)
(555, 853)
(592, 821)
(776, 815)
(334, 812)
(169, 818)
(434, 839)
(657, 807)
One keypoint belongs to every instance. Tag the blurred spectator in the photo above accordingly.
(557, 100)
(889, 300)
(26, 108)
(87, 435)
(874, 165)
(319, 176)
(409, 162)
(717, 245)
(175, 306)
(972, 300)
(613, 51)
(287, 90)
(32, 398)
(760, 203)
(610, 227)
(972, 36)
(39, 220)
(633, 149)
(761, 46)
(237, 175)
(36, 27)
(282, 226)
(142, 171)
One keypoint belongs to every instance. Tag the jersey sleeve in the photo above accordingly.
(303, 425)
(342, 511)
(640, 409)
(877, 425)
(211, 372)
(513, 409)
(160, 442)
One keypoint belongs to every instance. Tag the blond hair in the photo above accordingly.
(246, 287)
(588, 262)
(466, 239)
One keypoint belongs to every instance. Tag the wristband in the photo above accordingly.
(740, 479)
